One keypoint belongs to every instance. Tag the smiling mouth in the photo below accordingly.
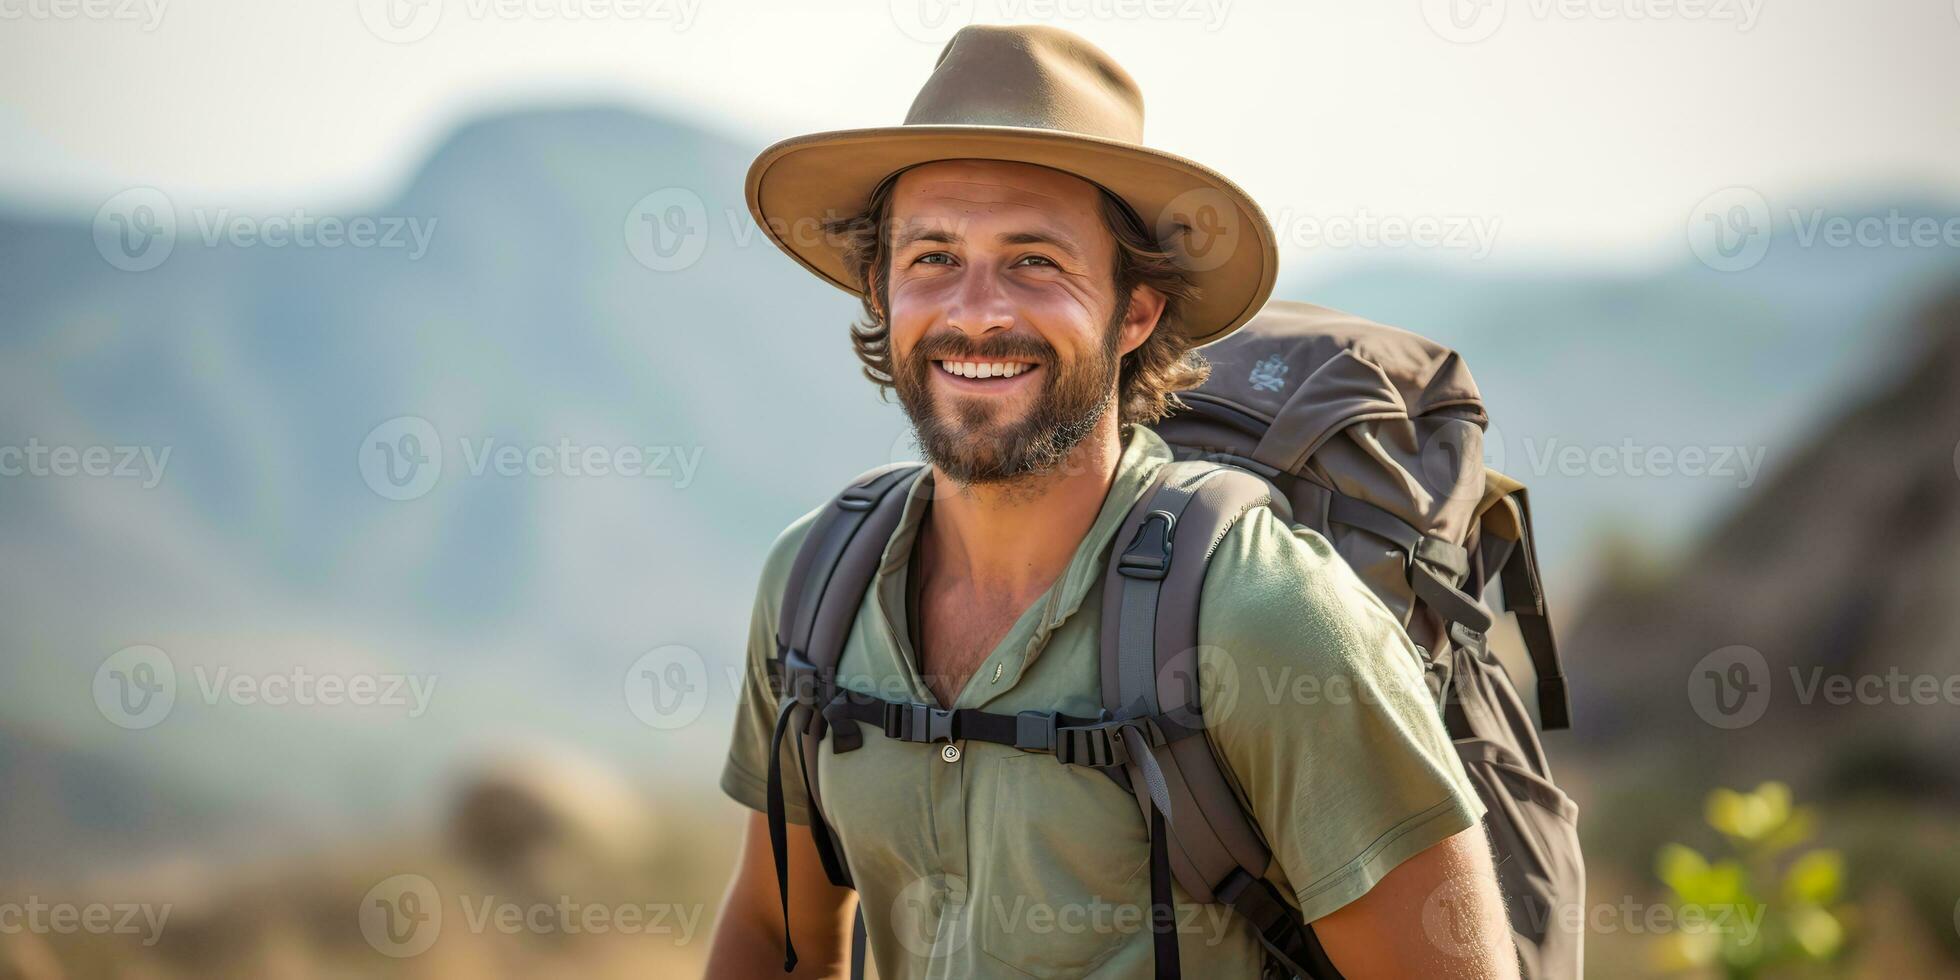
(985, 372)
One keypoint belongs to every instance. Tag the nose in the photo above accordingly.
(979, 305)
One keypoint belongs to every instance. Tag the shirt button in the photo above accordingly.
(951, 753)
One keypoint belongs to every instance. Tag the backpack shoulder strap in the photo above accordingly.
(826, 585)
(1150, 671)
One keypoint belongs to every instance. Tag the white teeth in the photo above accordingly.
(983, 369)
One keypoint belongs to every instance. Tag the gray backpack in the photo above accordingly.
(1372, 437)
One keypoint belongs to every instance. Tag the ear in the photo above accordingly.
(1146, 310)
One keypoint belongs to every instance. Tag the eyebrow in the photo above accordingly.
(944, 237)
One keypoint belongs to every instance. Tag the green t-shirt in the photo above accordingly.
(1007, 863)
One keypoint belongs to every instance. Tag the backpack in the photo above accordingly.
(1371, 436)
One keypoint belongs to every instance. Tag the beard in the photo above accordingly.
(971, 442)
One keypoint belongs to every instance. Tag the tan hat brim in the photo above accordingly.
(1232, 257)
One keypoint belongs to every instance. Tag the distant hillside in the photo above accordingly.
(1842, 573)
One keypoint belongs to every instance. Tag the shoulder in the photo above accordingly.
(1275, 591)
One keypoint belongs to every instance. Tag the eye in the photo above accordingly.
(1042, 259)
(930, 257)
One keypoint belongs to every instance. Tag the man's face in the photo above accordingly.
(1006, 329)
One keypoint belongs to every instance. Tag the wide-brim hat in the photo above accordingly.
(1035, 95)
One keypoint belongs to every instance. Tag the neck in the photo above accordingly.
(1016, 538)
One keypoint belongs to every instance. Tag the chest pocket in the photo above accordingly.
(1063, 884)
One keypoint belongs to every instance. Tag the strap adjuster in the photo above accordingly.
(1035, 731)
(1149, 553)
(918, 723)
(1100, 746)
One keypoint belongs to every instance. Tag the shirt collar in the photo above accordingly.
(1144, 453)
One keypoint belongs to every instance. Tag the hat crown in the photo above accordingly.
(1031, 76)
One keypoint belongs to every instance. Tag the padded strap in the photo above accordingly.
(827, 583)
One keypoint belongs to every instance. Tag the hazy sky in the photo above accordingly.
(1585, 128)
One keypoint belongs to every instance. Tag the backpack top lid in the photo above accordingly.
(1336, 369)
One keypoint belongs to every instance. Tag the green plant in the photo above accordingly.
(1768, 903)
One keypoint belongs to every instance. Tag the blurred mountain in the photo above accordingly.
(542, 312)
(1836, 589)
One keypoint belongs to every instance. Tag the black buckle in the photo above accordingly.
(1149, 553)
(918, 723)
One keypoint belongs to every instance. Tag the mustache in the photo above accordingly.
(957, 347)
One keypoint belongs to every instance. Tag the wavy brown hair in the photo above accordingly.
(1149, 377)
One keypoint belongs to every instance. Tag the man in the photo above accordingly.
(1031, 322)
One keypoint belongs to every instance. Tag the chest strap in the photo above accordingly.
(1100, 742)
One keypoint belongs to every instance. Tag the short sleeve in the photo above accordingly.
(1316, 704)
(745, 775)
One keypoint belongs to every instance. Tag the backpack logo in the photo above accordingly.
(1269, 374)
